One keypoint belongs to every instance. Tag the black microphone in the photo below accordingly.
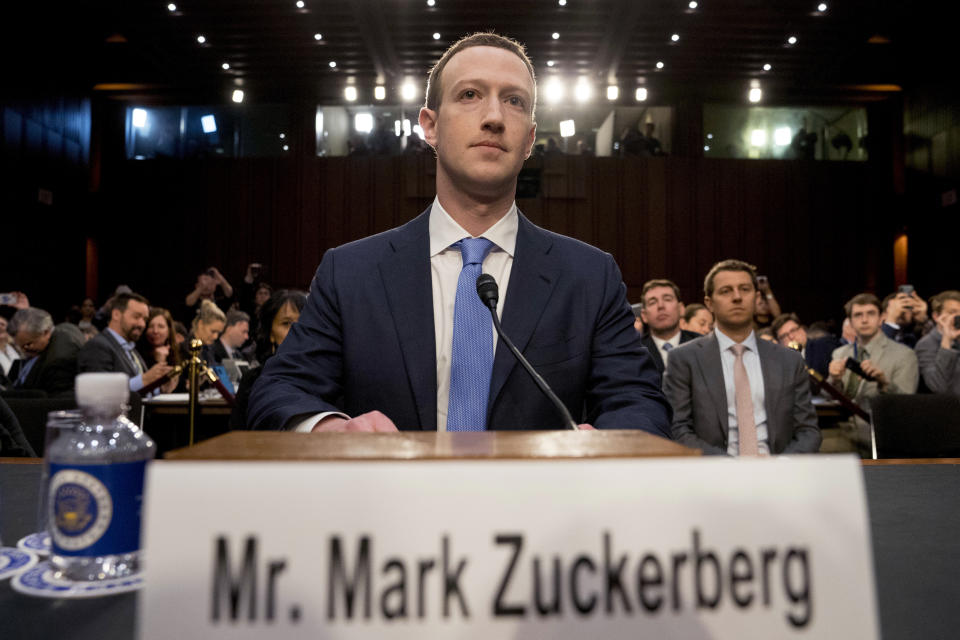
(854, 366)
(489, 293)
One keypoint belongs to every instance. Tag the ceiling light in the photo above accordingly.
(408, 91)
(380, 92)
(562, 3)
(300, 4)
(318, 36)
(225, 66)
(436, 35)
(139, 118)
(286, 147)
(755, 94)
(201, 39)
(556, 36)
(171, 7)
(406, 126)
(554, 91)
(613, 92)
(238, 95)
(363, 122)
(767, 67)
(675, 37)
(659, 65)
(758, 138)
(282, 136)
(431, 3)
(550, 63)
(709, 136)
(582, 91)
(208, 123)
(350, 93)
(641, 94)
(706, 147)
(333, 64)
(567, 128)
(792, 40)
(782, 136)
(693, 4)
(822, 7)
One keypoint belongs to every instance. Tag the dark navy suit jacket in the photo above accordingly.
(366, 340)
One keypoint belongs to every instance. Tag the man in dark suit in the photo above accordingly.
(235, 333)
(114, 349)
(394, 335)
(49, 353)
(816, 352)
(731, 393)
(662, 311)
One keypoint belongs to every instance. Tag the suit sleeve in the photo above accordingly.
(95, 356)
(905, 375)
(938, 366)
(624, 386)
(678, 387)
(305, 375)
(806, 431)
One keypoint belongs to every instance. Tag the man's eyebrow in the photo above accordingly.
(485, 84)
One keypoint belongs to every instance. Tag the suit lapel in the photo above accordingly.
(533, 277)
(119, 353)
(712, 370)
(406, 279)
(654, 352)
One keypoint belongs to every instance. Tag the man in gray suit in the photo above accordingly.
(938, 352)
(115, 348)
(731, 393)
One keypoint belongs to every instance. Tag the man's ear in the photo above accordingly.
(116, 315)
(428, 122)
(708, 303)
(531, 139)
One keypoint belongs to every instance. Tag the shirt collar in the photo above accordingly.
(123, 342)
(444, 230)
(674, 341)
(726, 342)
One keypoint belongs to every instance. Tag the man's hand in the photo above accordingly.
(249, 277)
(22, 301)
(873, 370)
(161, 353)
(373, 422)
(168, 387)
(155, 372)
(894, 312)
(948, 333)
(919, 306)
(836, 368)
(586, 427)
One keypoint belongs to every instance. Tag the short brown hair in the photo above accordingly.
(480, 39)
(691, 310)
(729, 265)
(653, 284)
(121, 300)
(862, 299)
(936, 302)
(781, 320)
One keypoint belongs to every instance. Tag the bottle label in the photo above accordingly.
(94, 509)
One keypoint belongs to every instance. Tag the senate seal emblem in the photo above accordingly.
(80, 509)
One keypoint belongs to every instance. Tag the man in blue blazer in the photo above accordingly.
(376, 346)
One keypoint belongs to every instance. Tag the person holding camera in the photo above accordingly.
(904, 316)
(212, 286)
(938, 352)
(767, 306)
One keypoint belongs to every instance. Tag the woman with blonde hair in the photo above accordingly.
(207, 326)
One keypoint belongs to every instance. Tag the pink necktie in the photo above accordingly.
(745, 422)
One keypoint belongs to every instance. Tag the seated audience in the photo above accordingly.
(114, 350)
(767, 334)
(234, 336)
(208, 324)
(661, 314)
(637, 309)
(158, 343)
(13, 444)
(180, 333)
(697, 319)
(892, 367)
(817, 352)
(49, 360)
(8, 354)
(88, 309)
(732, 393)
(276, 318)
(904, 317)
(938, 352)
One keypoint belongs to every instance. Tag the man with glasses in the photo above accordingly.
(817, 352)
(49, 353)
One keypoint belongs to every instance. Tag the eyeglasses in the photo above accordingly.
(789, 333)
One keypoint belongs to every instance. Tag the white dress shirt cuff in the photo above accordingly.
(306, 426)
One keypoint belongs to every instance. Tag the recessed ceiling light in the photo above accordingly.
(225, 66)
(436, 35)
(709, 136)
(706, 147)
(282, 136)
(318, 36)
(554, 91)
(300, 4)
(201, 39)
(792, 40)
(693, 4)
(659, 65)
(550, 63)
(556, 36)
(171, 7)
(562, 3)
(238, 95)
(582, 91)
(822, 7)
(431, 3)
(408, 91)
(286, 147)
(380, 92)
(641, 94)
(613, 92)
(675, 37)
(767, 67)
(350, 93)
(333, 64)
(754, 96)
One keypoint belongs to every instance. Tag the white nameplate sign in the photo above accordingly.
(688, 548)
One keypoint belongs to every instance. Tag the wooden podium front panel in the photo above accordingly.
(420, 445)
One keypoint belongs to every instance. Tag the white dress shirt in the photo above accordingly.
(445, 266)
(674, 342)
(7, 357)
(751, 361)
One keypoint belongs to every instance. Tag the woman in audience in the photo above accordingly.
(158, 342)
(207, 326)
(697, 318)
(277, 315)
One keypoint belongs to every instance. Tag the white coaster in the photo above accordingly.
(38, 543)
(39, 581)
(14, 561)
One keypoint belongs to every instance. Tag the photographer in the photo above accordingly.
(904, 316)
(938, 352)
(212, 286)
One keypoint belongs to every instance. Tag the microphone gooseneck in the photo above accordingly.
(489, 294)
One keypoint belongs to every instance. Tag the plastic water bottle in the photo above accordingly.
(96, 485)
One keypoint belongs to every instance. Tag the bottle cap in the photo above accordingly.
(102, 389)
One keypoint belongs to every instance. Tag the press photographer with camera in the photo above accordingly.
(938, 352)
(212, 286)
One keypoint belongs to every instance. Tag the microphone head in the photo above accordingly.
(488, 290)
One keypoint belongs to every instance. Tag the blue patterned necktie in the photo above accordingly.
(472, 358)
